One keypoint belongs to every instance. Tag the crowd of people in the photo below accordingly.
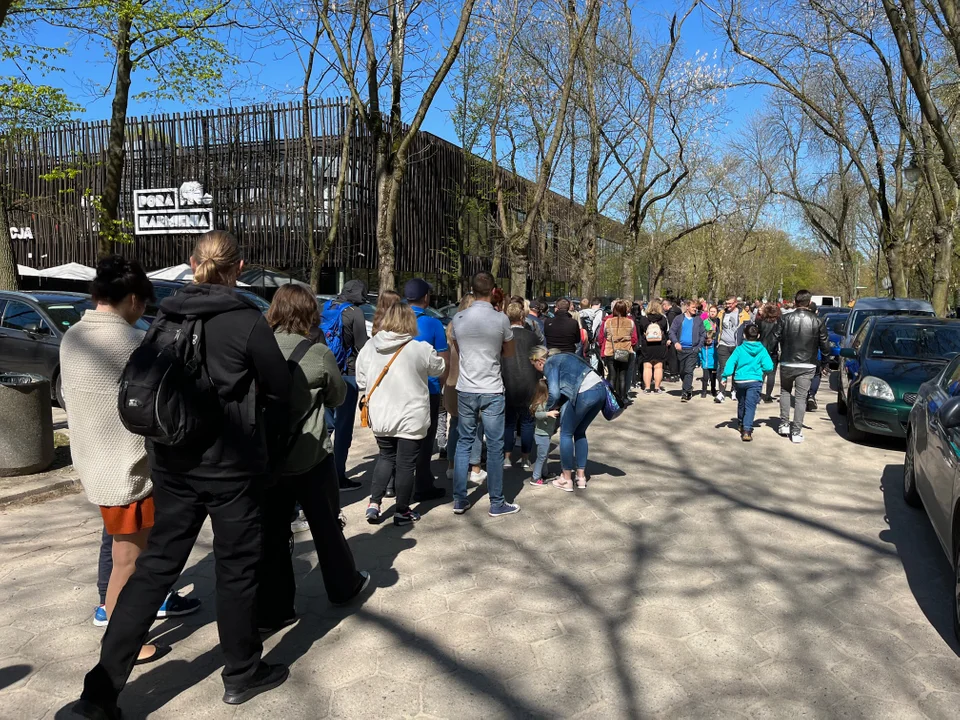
(259, 441)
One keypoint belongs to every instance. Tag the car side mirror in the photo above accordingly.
(848, 353)
(36, 329)
(949, 413)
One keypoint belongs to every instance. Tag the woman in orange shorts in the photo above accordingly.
(111, 462)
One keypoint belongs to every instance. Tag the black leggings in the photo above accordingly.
(318, 493)
(398, 457)
(619, 376)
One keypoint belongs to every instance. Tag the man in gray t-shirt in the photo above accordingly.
(480, 334)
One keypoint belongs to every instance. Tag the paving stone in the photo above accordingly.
(807, 683)
(727, 650)
(662, 620)
(870, 708)
(554, 693)
(12, 639)
(940, 705)
(497, 656)
(724, 688)
(25, 704)
(883, 682)
(637, 693)
(376, 698)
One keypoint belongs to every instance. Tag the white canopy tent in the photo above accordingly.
(179, 273)
(24, 271)
(70, 271)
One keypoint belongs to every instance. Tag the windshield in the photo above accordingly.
(67, 314)
(860, 316)
(915, 342)
(261, 304)
(835, 323)
(368, 310)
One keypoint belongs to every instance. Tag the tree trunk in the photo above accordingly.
(519, 257)
(110, 228)
(942, 265)
(388, 190)
(588, 266)
(894, 258)
(8, 265)
(628, 274)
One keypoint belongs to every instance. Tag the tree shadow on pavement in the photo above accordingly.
(925, 564)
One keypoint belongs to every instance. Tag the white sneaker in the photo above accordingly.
(477, 477)
(784, 429)
(796, 438)
(720, 397)
(449, 473)
(527, 465)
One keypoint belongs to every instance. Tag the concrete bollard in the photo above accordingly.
(26, 424)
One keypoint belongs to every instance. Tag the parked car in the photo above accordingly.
(825, 310)
(166, 288)
(871, 307)
(882, 370)
(826, 301)
(31, 328)
(930, 465)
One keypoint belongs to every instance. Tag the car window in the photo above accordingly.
(834, 324)
(912, 341)
(859, 337)
(860, 316)
(67, 314)
(18, 316)
(950, 381)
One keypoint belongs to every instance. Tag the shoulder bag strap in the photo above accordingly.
(384, 371)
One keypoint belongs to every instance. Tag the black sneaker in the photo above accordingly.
(767, 399)
(272, 627)
(684, 398)
(703, 394)
(390, 492)
(266, 678)
(94, 711)
(443, 453)
(406, 518)
(746, 435)
(811, 405)
(349, 485)
(434, 493)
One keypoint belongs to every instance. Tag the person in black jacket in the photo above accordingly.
(672, 364)
(340, 420)
(562, 331)
(222, 475)
(519, 383)
(804, 336)
(770, 323)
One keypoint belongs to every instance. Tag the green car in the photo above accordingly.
(888, 360)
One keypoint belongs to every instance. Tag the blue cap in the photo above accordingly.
(416, 289)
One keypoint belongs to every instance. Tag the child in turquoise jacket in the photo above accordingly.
(747, 365)
(709, 365)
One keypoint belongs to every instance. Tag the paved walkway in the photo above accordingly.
(697, 577)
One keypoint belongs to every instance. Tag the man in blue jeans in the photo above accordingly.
(481, 335)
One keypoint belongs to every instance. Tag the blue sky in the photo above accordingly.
(87, 66)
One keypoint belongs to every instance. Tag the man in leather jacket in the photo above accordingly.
(804, 335)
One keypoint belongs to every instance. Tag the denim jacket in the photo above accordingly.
(564, 373)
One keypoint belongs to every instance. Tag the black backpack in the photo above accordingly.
(166, 394)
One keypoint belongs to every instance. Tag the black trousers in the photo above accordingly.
(318, 493)
(181, 505)
(425, 478)
(398, 457)
(618, 373)
(709, 376)
(688, 363)
(671, 365)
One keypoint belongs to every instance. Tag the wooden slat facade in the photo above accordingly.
(251, 161)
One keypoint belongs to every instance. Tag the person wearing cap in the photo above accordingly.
(417, 293)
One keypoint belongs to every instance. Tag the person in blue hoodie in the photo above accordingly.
(747, 365)
(709, 365)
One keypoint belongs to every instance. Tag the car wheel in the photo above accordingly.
(910, 494)
(854, 434)
(956, 592)
(58, 392)
(841, 402)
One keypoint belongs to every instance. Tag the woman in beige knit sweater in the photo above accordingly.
(111, 461)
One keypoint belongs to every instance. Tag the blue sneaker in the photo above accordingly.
(504, 508)
(407, 518)
(460, 506)
(176, 606)
(100, 617)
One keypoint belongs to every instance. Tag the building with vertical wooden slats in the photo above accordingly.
(250, 162)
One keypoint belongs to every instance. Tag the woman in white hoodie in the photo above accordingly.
(398, 405)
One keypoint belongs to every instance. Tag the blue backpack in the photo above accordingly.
(331, 323)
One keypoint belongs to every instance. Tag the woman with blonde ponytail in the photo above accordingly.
(221, 474)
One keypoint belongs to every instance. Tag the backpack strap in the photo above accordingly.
(303, 347)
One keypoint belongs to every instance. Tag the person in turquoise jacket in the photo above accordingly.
(747, 365)
(708, 363)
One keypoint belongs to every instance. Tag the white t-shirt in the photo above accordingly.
(590, 380)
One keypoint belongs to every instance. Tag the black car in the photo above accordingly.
(31, 327)
(166, 288)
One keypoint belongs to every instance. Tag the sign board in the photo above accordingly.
(21, 233)
(173, 211)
